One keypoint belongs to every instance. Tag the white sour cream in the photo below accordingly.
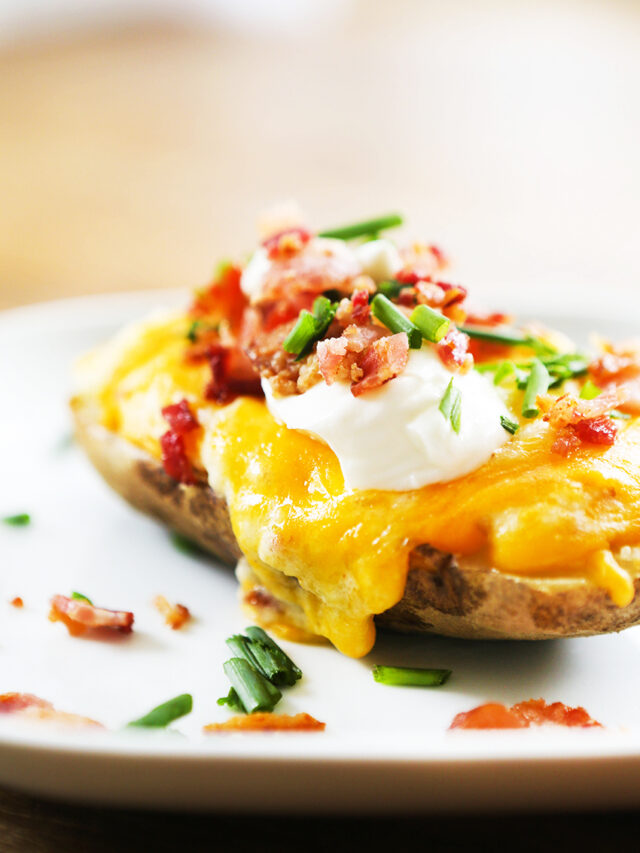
(379, 258)
(396, 437)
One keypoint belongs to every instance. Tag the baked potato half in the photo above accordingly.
(334, 419)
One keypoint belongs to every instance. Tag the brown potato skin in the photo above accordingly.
(444, 595)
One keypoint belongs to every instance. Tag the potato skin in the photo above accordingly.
(445, 595)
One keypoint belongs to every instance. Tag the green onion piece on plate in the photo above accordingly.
(182, 544)
(406, 676)
(166, 713)
(232, 701)
(432, 325)
(509, 425)
(451, 406)
(284, 671)
(364, 229)
(537, 383)
(253, 690)
(385, 311)
(20, 520)
(78, 596)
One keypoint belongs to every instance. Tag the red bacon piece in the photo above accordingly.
(180, 417)
(385, 359)
(620, 369)
(12, 702)
(222, 300)
(494, 319)
(581, 421)
(175, 460)
(28, 705)
(600, 430)
(533, 712)
(267, 722)
(286, 243)
(453, 350)
(360, 310)
(79, 616)
(232, 375)
(337, 356)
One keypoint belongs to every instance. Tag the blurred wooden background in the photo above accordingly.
(134, 157)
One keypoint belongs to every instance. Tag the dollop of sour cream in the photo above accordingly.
(396, 437)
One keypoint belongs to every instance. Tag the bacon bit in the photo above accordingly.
(439, 255)
(339, 358)
(580, 421)
(231, 376)
(453, 293)
(223, 300)
(266, 722)
(175, 615)
(286, 243)
(28, 705)
(382, 361)
(17, 602)
(619, 368)
(78, 616)
(533, 712)
(360, 312)
(180, 417)
(453, 350)
(175, 460)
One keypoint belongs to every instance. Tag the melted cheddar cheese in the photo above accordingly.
(342, 555)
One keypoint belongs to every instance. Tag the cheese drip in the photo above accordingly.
(342, 555)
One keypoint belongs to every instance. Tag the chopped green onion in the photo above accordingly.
(589, 391)
(166, 713)
(20, 520)
(287, 671)
(451, 406)
(509, 425)
(78, 596)
(391, 288)
(310, 327)
(616, 413)
(385, 311)
(364, 229)
(232, 701)
(494, 336)
(432, 325)
(253, 690)
(504, 370)
(184, 545)
(537, 383)
(406, 676)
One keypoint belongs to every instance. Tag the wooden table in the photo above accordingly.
(134, 158)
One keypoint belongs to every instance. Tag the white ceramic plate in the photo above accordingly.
(384, 750)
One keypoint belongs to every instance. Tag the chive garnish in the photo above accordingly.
(78, 596)
(183, 544)
(494, 336)
(385, 311)
(537, 383)
(252, 688)
(451, 406)
(503, 371)
(406, 676)
(287, 671)
(310, 327)
(433, 326)
(20, 520)
(391, 288)
(166, 713)
(232, 701)
(364, 229)
(509, 425)
(589, 391)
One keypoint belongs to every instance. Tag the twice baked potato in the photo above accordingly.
(412, 464)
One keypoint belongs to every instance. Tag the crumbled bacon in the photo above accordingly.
(175, 615)
(580, 421)
(383, 360)
(175, 460)
(17, 602)
(30, 706)
(340, 358)
(231, 376)
(286, 243)
(266, 722)
(180, 417)
(477, 318)
(79, 616)
(533, 712)
(453, 350)
(619, 368)
(223, 300)
(360, 312)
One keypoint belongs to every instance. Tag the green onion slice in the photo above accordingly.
(406, 676)
(259, 650)
(385, 311)
(432, 325)
(20, 520)
(589, 391)
(310, 327)
(232, 701)
(391, 288)
(364, 229)
(509, 425)
(182, 544)
(537, 383)
(166, 713)
(253, 690)
(78, 596)
(451, 406)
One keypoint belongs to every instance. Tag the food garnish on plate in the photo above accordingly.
(337, 418)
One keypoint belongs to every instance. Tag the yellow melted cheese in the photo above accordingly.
(342, 556)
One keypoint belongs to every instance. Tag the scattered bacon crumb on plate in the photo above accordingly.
(33, 707)
(175, 615)
(80, 616)
(266, 722)
(17, 602)
(522, 715)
